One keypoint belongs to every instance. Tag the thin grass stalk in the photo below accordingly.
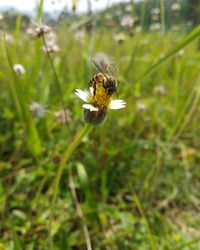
(17, 32)
(192, 101)
(78, 138)
(40, 9)
(188, 117)
(55, 77)
(16, 240)
(79, 211)
(162, 15)
(143, 11)
(141, 211)
(188, 103)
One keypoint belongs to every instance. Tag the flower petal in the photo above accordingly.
(91, 90)
(82, 94)
(90, 107)
(117, 104)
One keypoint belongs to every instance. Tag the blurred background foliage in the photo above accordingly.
(137, 176)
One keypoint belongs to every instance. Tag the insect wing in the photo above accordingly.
(100, 67)
(111, 69)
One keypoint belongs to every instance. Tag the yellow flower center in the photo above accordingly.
(101, 99)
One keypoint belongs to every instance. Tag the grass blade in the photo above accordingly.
(39, 13)
(187, 40)
(23, 110)
(187, 244)
(162, 15)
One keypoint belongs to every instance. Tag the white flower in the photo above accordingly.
(50, 43)
(176, 7)
(129, 8)
(62, 115)
(19, 69)
(138, 29)
(97, 105)
(37, 109)
(181, 52)
(155, 11)
(38, 30)
(79, 36)
(127, 21)
(160, 89)
(9, 38)
(155, 26)
(120, 37)
(51, 48)
(87, 96)
(141, 107)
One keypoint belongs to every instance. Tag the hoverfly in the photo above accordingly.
(106, 78)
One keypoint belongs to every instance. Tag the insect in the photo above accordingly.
(109, 82)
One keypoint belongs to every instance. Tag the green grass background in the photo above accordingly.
(136, 176)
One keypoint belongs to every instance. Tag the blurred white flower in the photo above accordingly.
(138, 29)
(50, 37)
(181, 52)
(155, 11)
(37, 109)
(118, 12)
(127, 21)
(19, 69)
(62, 116)
(79, 36)
(30, 31)
(41, 29)
(50, 43)
(9, 38)
(155, 26)
(176, 28)
(141, 107)
(120, 37)
(38, 30)
(160, 89)
(189, 23)
(51, 48)
(129, 8)
(176, 7)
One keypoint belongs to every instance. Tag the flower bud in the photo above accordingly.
(94, 117)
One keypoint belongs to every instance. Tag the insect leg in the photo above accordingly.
(92, 84)
(103, 83)
(95, 88)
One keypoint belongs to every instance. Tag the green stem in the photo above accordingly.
(78, 138)
(162, 15)
(143, 10)
(55, 77)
